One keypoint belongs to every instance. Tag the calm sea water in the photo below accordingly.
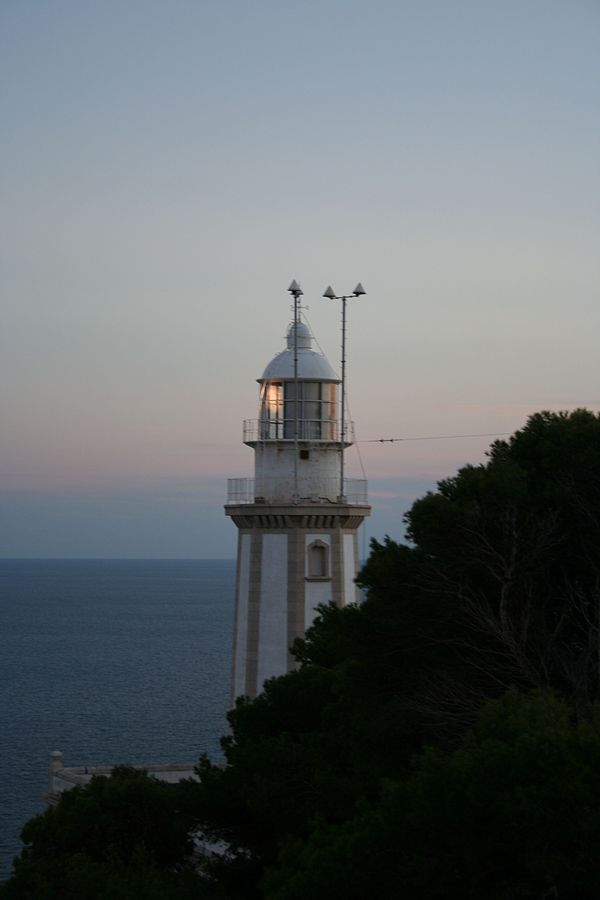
(110, 661)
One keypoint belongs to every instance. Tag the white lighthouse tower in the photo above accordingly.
(298, 517)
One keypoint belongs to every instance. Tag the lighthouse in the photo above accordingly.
(298, 517)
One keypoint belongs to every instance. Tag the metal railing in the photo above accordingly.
(256, 430)
(242, 491)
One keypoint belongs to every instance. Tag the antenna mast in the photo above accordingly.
(331, 295)
(296, 291)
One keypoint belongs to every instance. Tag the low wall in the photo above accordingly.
(61, 778)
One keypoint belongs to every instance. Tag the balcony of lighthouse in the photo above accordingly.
(243, 491)
(316, 431)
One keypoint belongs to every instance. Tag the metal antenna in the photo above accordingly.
(296, 291)
(330, 294)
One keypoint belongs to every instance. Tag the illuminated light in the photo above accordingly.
(273, 399)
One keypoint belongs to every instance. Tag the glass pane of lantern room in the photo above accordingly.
(329, 401)
(289, 409)
(328, 412)
(271, 409)
(311, 408)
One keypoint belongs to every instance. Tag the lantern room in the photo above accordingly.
(283, 416)
(297, 437)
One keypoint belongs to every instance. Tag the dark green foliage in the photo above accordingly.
(80, 877)
(513, 814)
(513, 549)
(284, 761)
(545, 478)
(118, 837)
(116, 815)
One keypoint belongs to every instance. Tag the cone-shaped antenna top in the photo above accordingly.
(329, 293)
(359, 290)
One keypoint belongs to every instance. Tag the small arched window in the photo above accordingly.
(318, 560)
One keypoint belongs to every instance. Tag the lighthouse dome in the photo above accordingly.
(304, 336)
(311, 364)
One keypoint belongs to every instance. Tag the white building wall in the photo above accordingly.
(241, 636)
(272, 626)
(315, 593)
(350, 569)
(318, 476)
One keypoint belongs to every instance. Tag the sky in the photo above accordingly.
(168, 168)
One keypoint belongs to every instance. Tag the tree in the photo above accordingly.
(116, 838)
(513, 813)
(508, 554)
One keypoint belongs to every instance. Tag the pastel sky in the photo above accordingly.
(169, 167)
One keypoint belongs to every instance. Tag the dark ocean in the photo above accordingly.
(109, 661)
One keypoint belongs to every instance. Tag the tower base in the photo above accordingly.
(290, 560)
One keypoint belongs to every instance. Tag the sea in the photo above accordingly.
(110, 662)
